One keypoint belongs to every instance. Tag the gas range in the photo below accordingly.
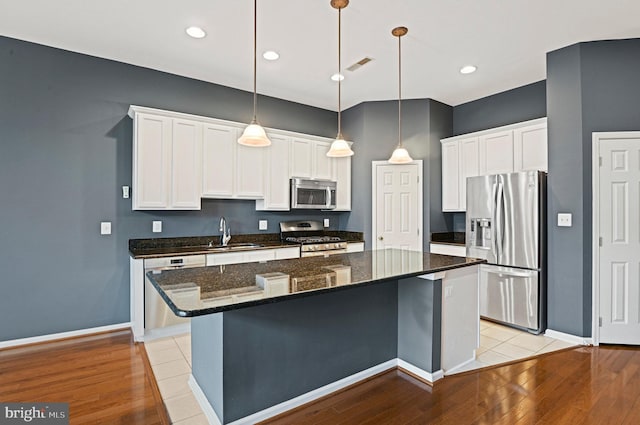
(310, 235)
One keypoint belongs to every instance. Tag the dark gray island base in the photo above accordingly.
(260, 347)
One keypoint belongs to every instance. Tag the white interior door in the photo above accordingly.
(619, 227)
(397, 205)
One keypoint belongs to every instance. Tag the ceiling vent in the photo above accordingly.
(359, 64)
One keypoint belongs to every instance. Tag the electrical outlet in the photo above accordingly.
(157, 227)
(105, 227)
(262, 225)
(448, 291)
(326, 222)
(564, 219)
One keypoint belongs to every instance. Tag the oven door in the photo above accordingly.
(313, 194)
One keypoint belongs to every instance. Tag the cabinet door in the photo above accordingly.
(530, 148)
(469, 166)
(186, 165)
(250, 168)
(496, 153)
(342, 175)
(321, 162)
(301, 151)
(276, 195)
(450, 176)
(218, 153)
(151, 162)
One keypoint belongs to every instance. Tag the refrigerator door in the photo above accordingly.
(517, 220)
(510, 296)
(480, 217)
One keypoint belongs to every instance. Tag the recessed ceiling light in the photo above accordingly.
(337, 77)
(468, 69)
(270, 55)
(196, 32)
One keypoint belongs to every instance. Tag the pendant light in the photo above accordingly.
(254, 135)
(339, 147)
(400, 154)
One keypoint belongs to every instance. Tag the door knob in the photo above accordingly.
(380, 238)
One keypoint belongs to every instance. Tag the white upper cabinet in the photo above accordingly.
(530, 147)
(516, 147)
(165, 163)
(276, 182)
(180, 158)
(218, 154)
(496, 153)
(451, 176)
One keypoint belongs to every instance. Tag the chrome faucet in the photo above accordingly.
(226, 232)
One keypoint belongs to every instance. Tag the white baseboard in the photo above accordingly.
(427, 376)
(294, 402)
(456, 368)
(573, 339)
(208, 411)
(62, 335)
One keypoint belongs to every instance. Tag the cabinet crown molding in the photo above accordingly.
(542, 120)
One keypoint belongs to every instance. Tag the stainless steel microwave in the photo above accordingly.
(313, 194)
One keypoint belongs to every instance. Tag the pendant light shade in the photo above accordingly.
(339, 147)
(254, 135)
(400, 154)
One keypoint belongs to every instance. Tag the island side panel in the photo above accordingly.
(275, 352)
(206, 358)
(419, 322)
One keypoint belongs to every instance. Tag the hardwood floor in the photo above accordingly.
(105, 379)
(585, 385)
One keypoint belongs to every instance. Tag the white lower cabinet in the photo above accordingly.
(251, 256)
(355, 247)
(448, 249)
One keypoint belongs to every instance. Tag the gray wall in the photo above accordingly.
(590, 87)
(65, 151)
(374, 126)
(516, 105)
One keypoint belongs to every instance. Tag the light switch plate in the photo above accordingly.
(326, 222)
(105, 227)
(564, 219)
(125, 192)
(157, 227)
(262, 225)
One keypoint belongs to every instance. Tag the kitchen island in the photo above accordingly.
(267, 337)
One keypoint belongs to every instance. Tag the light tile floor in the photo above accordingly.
(170, 360)
(501, 344)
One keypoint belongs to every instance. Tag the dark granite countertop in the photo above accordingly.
(191, 245)
(450, 238)
(206, 290)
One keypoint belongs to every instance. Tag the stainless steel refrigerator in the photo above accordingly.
(506, 225)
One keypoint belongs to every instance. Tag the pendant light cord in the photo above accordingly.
(339, 74)
(255, 60)
(399, 92)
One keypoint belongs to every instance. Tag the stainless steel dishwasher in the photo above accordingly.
(159, 320)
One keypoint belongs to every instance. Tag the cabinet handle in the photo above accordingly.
(380, 238)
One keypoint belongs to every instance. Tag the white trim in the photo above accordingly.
(573, 339)
(457, 368)
(495, 129)
(433, 276)
(597, 138)
(427, 376)
(374, 201)
(208, 411)
(62, 335)
(294, 402)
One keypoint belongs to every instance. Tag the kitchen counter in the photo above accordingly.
(449, 238)
(191, 245)
(327, 322)
(234, 286)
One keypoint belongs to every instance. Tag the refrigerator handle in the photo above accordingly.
(494, 199)
(499, 224)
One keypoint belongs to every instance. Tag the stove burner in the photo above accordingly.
(313, 239)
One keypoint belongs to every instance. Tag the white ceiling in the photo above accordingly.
(506, 39)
